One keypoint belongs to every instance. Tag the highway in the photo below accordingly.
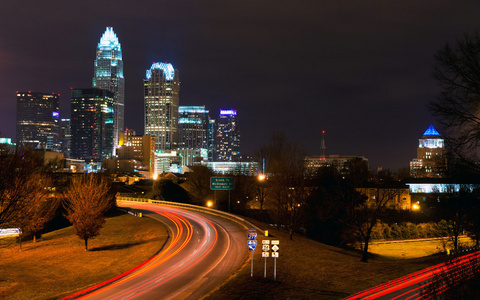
(202, 252)
(424, 284)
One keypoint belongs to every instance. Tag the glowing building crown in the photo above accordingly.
(168, 70)
(431, 132)
(109, 40)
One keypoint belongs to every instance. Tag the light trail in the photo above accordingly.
(192, 239)
(422, 280)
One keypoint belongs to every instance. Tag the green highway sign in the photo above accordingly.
(222, 183)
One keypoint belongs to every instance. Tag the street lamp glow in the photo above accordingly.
(416, 206)
(209, 203)
(261, 177)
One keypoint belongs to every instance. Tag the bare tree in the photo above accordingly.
(86, 201)
(458, 108)
(38, 207)
(18, 173)
(286, 181)
(365, 213)
(198, 183)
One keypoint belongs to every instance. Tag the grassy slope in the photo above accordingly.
(57, 265)
(312, 270)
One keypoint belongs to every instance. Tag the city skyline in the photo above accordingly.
(361, 72)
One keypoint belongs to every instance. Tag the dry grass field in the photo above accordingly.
(57, 264)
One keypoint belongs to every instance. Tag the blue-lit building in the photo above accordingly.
(228, 136)
(108, 74)
(161, 92)
(92, 124)
(38, 120)
(431, 159)
(193, 134)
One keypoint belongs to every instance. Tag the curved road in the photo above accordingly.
(201, 253)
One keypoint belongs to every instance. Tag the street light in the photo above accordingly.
(209, 203)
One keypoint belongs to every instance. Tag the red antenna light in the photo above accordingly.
(322, 147)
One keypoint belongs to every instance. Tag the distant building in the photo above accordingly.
(233, 168)
(228, 136)
(135, 153)
(397, 194)
(108, 75)
(38, 120)
(431, 159)
(65, 137)
(211, 139)
(6, 145)
(193, 134)
(91, 120)
(161, 92)
(339, 162)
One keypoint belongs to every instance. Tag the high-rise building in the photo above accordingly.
(38, 120)
(92, 124)
(193, 134)
(431, 159)
(161, 91)
(228, 136)
(108, 74)
(65, 137)
(211, 139)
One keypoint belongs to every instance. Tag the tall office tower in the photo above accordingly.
(161, 91)
(37, 120)
(65, 137)
(431, 159)
(193, 134)
(228, 136)
(92, 124)
(108, 74)
(211, 139)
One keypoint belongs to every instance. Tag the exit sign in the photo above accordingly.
(222, 183)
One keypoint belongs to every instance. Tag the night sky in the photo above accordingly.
(360, 70)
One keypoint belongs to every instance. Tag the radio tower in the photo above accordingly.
(322, 147)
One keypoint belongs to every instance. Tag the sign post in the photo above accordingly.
(275, 249)
(222, 183)
(265, 253)
(252, 243)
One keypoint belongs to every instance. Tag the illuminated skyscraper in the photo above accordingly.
(91, 124)
(161, 90)
(228, 136)
(431, 160)
(38, 120)
(193, 134)
(108, 74)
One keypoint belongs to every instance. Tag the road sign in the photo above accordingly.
(250, 242)
(275, 248)
(222, 183)
(274, 254)
(265, 254)
(266, 242)
(275, 242)
(252, 236)
(265, 248)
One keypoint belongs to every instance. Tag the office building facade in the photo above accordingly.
(228, 136)
(193, 134)
(161, 92)
(92, 124)
(38, 120)
(108, 74)
(431, 159)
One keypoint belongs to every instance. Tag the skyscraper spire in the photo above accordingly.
(108, 74)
